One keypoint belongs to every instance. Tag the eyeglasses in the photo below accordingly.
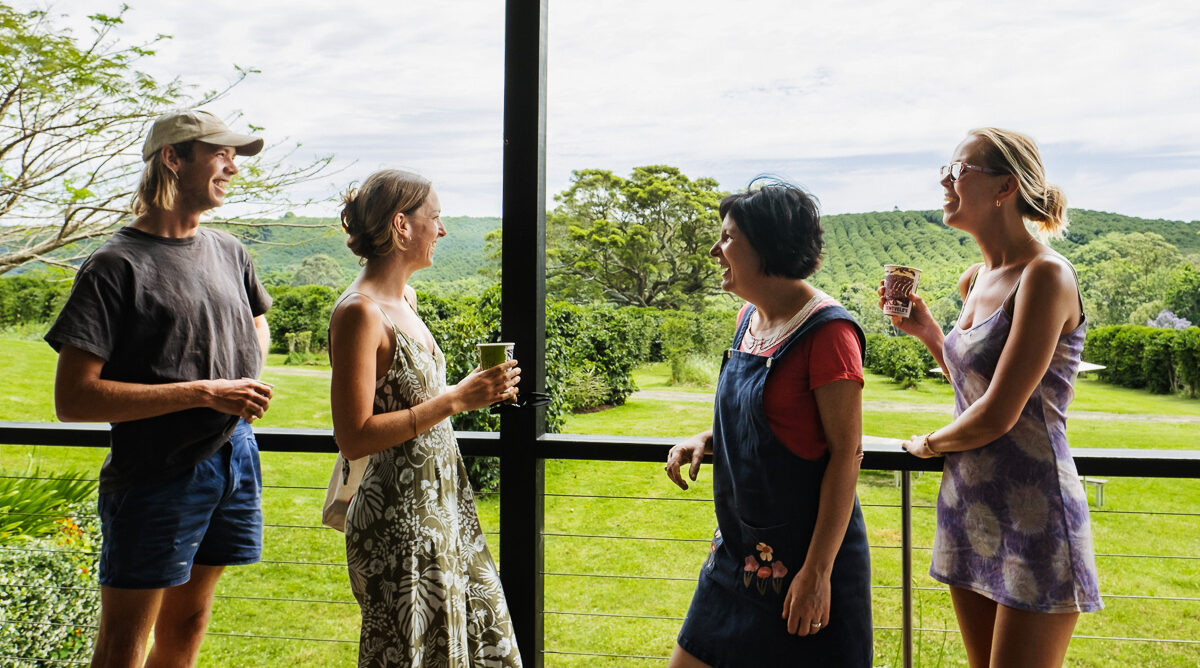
(955, 170)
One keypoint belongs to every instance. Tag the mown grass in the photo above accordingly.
(663, 533)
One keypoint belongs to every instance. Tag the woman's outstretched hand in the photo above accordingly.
(484, 387)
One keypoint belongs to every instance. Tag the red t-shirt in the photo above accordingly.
(830, 353)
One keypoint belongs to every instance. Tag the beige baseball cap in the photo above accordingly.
(194, 124)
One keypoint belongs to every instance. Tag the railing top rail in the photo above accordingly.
(879, 453)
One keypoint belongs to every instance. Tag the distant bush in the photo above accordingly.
(699, 370)
(604, 339)
(591, 352)
(32, 298)
(584, 389)
(692, 343)
(1159, 360)
(904, 359)
(296, 310)
(1186, 348)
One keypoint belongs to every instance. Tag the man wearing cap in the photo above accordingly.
(163, 336)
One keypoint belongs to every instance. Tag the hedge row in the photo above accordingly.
(1160, 360)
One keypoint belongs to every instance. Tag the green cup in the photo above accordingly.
(491, 354)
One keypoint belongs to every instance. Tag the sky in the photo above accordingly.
(859, 101)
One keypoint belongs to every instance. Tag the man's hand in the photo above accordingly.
(246, 398)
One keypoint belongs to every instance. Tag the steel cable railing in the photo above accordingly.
(331, 591)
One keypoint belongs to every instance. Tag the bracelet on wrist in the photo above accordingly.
(929, 446)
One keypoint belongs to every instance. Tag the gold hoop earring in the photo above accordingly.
(997, 204)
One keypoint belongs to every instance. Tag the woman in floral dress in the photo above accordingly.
(419, 565)
(1013, 535)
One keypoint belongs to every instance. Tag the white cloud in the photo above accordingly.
(860, 100)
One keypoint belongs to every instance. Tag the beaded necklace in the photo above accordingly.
(756, 346)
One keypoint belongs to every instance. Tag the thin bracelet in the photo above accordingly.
(925, 443)
(412, 420)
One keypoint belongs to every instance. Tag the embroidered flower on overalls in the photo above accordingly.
(749, 569)
(768, 570)
(778, 572)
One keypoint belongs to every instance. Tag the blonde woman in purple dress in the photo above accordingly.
(1013, 536)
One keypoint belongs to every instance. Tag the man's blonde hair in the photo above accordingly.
(160, 184)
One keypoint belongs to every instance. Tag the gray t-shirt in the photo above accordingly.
(161, 310)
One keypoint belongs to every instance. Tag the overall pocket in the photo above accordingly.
(770, 556)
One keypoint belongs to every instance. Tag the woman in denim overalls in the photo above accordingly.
(787, 579)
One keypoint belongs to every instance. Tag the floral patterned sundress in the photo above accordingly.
(419, 564)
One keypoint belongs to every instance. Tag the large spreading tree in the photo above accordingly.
(73, 115)
(641, 241)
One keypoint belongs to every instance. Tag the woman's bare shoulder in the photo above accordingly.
(964, 280)
(354, 309)
(1049, 269)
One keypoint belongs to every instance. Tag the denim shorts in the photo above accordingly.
(211, 515)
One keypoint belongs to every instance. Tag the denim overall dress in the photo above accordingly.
(766, 503)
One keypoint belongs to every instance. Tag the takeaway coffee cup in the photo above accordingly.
(491, 354)
(899, 282)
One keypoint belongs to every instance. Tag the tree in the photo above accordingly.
(1120, 272)
(1183, 296)
(73, 115)
(320, 269)
(641, 241)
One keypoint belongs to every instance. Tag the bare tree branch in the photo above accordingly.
(73, 113)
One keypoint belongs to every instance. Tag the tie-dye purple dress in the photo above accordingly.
(1012, 516)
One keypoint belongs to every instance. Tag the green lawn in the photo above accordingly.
(653, 543)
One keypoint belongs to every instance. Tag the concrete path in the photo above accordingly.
(887, 406)
(943, 409)
(296, 371)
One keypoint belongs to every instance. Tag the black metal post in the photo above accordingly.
(523, 319)
(906, 548)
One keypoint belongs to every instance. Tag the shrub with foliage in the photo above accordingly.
(605, 339)
(1160, 360)
(584, 389)
(1186, 348)
(692, 343)
(32, 298)
(700, 370)
(48, 579)
(904, 359)
(296, 310)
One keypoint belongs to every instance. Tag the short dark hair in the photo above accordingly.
(782, 222)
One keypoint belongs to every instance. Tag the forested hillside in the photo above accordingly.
(282, 249)
(857, 245)
(1130, 269)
